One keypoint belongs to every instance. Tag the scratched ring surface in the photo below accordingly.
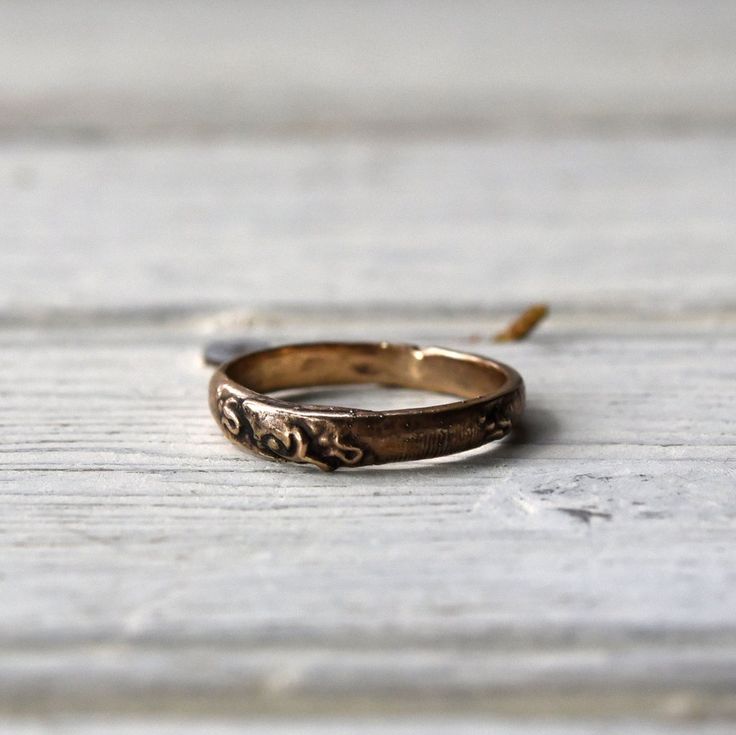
(330, 437)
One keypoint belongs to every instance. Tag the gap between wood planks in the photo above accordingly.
(681, 316)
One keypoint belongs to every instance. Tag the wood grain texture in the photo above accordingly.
(582, 572)
(151, 567)
(173, 174)
(457, 225)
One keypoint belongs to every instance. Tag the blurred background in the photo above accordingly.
(476, 153)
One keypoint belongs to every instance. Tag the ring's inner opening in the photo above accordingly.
(365, 396)
(304, 366)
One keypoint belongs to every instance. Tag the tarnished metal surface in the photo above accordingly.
(330, 437)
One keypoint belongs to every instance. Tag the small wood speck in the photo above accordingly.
(523, 325)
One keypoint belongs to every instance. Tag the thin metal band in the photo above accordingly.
(330, 436)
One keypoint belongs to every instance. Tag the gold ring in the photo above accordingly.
(330, 437)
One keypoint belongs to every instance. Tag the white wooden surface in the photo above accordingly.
(466, 224)
(579, 577)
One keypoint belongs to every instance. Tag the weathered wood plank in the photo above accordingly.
(583, 570)
(579, 221)
(581, 573)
